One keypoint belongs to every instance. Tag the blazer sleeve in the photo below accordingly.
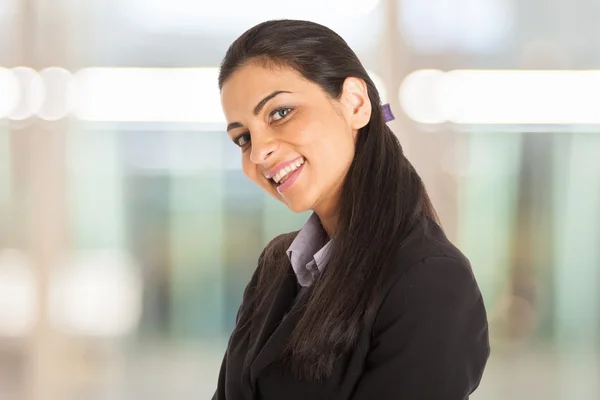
(430, 339)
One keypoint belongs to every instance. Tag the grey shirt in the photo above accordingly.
(307, 254)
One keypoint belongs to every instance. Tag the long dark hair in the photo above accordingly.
(382, 198)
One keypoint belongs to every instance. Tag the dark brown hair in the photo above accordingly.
(381, 200)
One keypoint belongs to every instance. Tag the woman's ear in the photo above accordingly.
(356, 100)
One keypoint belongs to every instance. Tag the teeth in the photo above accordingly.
(285, 171)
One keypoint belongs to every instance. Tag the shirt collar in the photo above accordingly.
(306, 247)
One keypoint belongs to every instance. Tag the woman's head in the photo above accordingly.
(319, 97)
(354, 175)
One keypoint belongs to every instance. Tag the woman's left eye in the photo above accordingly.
(280, 113)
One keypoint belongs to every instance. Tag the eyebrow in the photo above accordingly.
(257, 109)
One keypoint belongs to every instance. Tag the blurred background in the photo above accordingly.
(128, 231)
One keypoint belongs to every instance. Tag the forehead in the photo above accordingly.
(251, 83)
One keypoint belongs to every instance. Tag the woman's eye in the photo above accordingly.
(280, 113)
(242, 140)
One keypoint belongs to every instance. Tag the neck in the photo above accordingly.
(329, 222)
(328, 211)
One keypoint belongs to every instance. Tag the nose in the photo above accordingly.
(263, 146)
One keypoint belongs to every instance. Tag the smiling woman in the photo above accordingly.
(369, 300)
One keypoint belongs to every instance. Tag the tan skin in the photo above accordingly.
(303, 121)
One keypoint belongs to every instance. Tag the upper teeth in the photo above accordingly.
(290, 168)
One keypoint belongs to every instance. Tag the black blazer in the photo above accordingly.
(429, 340)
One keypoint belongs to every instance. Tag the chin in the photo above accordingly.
(297, 206)
(298, 209)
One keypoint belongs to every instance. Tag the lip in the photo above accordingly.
(290, 181)
(271, 173)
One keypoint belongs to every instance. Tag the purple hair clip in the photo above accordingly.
(387, 113)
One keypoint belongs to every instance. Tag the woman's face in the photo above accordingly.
(296, 142)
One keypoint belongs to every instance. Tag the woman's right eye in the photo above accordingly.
(242, 140)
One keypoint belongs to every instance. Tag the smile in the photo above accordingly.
(283, 183)
(285, 173)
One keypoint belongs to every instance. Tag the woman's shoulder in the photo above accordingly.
(273, 255)
(278, 246)
(432, 322)
(428, 258)
(430, 276)
(282, 241)
(427, 240)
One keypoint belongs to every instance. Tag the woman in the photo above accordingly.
(369, 300)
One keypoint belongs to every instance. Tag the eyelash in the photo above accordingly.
(275, 111)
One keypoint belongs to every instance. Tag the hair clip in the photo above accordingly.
(387, 113)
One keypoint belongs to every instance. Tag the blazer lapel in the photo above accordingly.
(273, 333)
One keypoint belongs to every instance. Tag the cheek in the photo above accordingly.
(335, 152)
(249, 168)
